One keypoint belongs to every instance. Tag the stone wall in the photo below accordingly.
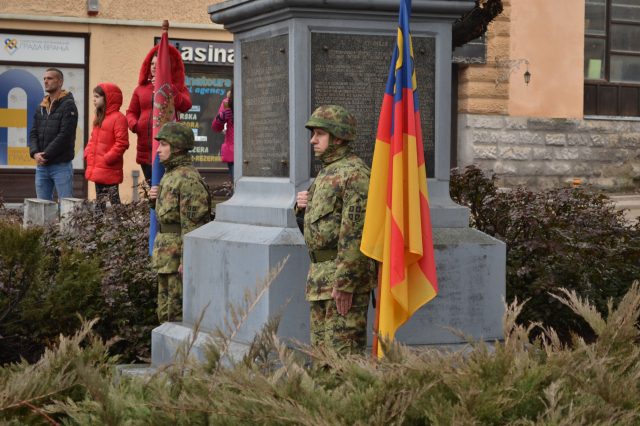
(477, 91)
(544, 152)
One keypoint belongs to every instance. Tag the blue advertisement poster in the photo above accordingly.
(21, 91)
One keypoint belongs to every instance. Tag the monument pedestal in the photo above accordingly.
(224, 258)
(293, 56)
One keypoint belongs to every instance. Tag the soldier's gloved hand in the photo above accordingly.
(225, 114)
(343, 300)
(302, 198)
(153, 193)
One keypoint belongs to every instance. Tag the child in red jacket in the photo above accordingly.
(109, 140)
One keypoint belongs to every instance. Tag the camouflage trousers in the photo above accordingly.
(169, 297)
(347, 334)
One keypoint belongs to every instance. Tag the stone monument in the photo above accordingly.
(293, 56)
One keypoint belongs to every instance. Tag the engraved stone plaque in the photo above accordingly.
(265, 107)
(352, 70)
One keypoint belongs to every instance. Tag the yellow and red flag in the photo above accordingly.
(397, 229)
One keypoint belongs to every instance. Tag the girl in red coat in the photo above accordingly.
(141, 106)
(109, 140)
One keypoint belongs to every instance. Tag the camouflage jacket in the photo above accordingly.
(334, 218)
(183, 198)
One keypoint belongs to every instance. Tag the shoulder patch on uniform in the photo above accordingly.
(355, 213)
(73, 113)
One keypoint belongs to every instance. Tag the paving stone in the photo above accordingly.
(622, 154)
(587, 154)
(527, 138)
(597, 126)
(486, 137)
(485, 152)
(631, 139)
(586, 169)
(598, 140)
(551, 124)
(487, 122)
(620, 127)
(505, 169)
(557, 169)
(508, 138)
(556, 140)
(516, 123)
(515, 181)
(533, 168)
(580, 140)
(515, 153)
(543, 153)
(614, 141)
(546, 182)
(634, 127)
(567, 154)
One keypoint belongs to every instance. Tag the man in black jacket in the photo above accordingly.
(52, 139)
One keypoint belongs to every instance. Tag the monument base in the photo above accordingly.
(471, 268)
(471, 279)
(221, 259)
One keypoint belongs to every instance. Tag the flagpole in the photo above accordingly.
(376, 323)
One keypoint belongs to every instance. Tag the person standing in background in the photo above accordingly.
(109, 140)
(52, 139)
(141, 105)
(223, 120)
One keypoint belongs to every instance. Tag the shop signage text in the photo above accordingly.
(203, 52)
(37, 48)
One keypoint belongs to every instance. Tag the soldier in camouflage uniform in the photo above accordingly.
(182, 204)
(340, 277)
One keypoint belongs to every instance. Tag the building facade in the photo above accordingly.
(109, 46)
(578, 118)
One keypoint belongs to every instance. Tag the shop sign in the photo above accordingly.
(39, 49)
(203, 52)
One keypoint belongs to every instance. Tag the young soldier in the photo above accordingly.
(182, 204)
(340, 277)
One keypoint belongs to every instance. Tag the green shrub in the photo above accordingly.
(54, 309)
(20, 267)
(555, 238)
(98, 268)
(517, 382)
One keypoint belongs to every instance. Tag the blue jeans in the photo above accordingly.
(59, 176)
(230, 165)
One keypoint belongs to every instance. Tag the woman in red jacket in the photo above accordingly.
(141, 106)
(109, 140)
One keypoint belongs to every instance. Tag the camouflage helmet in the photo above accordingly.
(178, 135)
(335, 120)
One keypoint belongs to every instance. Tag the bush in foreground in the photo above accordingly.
(98, 267)
(555, 238)
(520, 382)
